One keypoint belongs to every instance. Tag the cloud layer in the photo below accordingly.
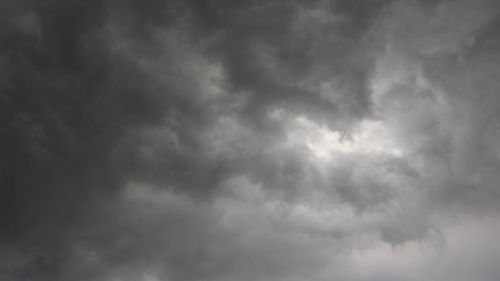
(249, 140)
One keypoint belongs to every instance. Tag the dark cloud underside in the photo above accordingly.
(249, 140)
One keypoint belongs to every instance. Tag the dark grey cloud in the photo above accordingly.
(249, 140)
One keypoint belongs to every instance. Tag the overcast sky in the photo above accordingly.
(273, 140)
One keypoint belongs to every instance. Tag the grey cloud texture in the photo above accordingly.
(249, 140)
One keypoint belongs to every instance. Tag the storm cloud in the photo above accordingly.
(169, 140)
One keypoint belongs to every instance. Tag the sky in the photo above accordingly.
(252, 140)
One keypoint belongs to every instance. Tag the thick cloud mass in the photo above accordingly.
(219, 140)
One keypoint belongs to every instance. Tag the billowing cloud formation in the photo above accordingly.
(249, 140)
